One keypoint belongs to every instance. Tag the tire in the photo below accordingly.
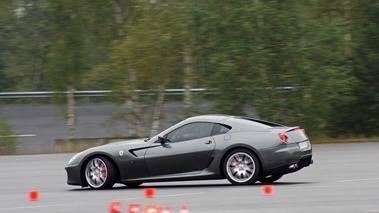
(100, 173)
(269, 178)
(241, 167)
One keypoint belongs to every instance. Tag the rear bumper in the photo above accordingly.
(286, 158)
(304, 161)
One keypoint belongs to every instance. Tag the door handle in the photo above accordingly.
(209, 142)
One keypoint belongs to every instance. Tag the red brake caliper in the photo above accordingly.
(104, 171)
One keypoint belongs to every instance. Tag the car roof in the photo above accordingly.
(233, 120)
(210, 118)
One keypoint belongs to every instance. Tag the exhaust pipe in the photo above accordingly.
(293, 166)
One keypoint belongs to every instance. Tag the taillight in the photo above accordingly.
(303, 130)
(283, 137)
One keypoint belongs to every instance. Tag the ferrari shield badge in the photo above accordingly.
(121, 153)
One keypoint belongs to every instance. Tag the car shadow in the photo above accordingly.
(196, 185)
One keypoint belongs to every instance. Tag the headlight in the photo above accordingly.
(72, 160)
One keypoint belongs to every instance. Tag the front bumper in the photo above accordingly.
(74, 175)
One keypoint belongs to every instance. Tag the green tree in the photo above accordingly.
(360, 115)
(309, 63)
(6, 18)
(151, 56)
(255, 49)
(26, 41)
(68, 59)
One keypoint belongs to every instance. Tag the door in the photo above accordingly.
(186, 149)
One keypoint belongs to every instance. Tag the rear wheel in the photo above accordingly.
(269, 178)
(241, 167)
(100, 173)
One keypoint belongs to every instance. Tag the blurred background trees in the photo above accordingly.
(310, 63)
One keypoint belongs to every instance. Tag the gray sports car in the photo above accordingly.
(241, 149)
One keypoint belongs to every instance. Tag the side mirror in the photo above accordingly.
(162, 140)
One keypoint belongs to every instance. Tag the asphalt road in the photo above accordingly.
(344, 178)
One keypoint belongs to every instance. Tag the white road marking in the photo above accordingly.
(185, 194)
(248, 211)
(161, 196)
(319, 184)
(40, 206)
(354, 180)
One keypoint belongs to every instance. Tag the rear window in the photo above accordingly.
(220, 129)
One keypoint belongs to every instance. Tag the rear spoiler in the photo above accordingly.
(290, 129)
(294, 129)
(268, 123)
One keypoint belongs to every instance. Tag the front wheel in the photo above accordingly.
(241, 167)
(100, 173)
(269, 178)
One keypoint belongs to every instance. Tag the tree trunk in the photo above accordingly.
(157, 111)
(133, 118)
(118, 17)
(134, 115)
(188, 66)
(347, 37)
(135, 127)
(71, 112)
(188, 70)
(261, 23)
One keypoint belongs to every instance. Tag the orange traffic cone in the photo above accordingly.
(164, 209)
(33, 195)
(151, 208)
(184, 209)
(134, 208)
(115, 207)
(149, 192)
(268, 190)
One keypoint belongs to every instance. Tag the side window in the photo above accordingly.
(191, 131)
(220, 129)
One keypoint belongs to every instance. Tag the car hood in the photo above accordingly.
(126, 143)
(121, 145)
(111, 149)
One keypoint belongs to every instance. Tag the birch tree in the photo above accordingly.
(68, 59)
